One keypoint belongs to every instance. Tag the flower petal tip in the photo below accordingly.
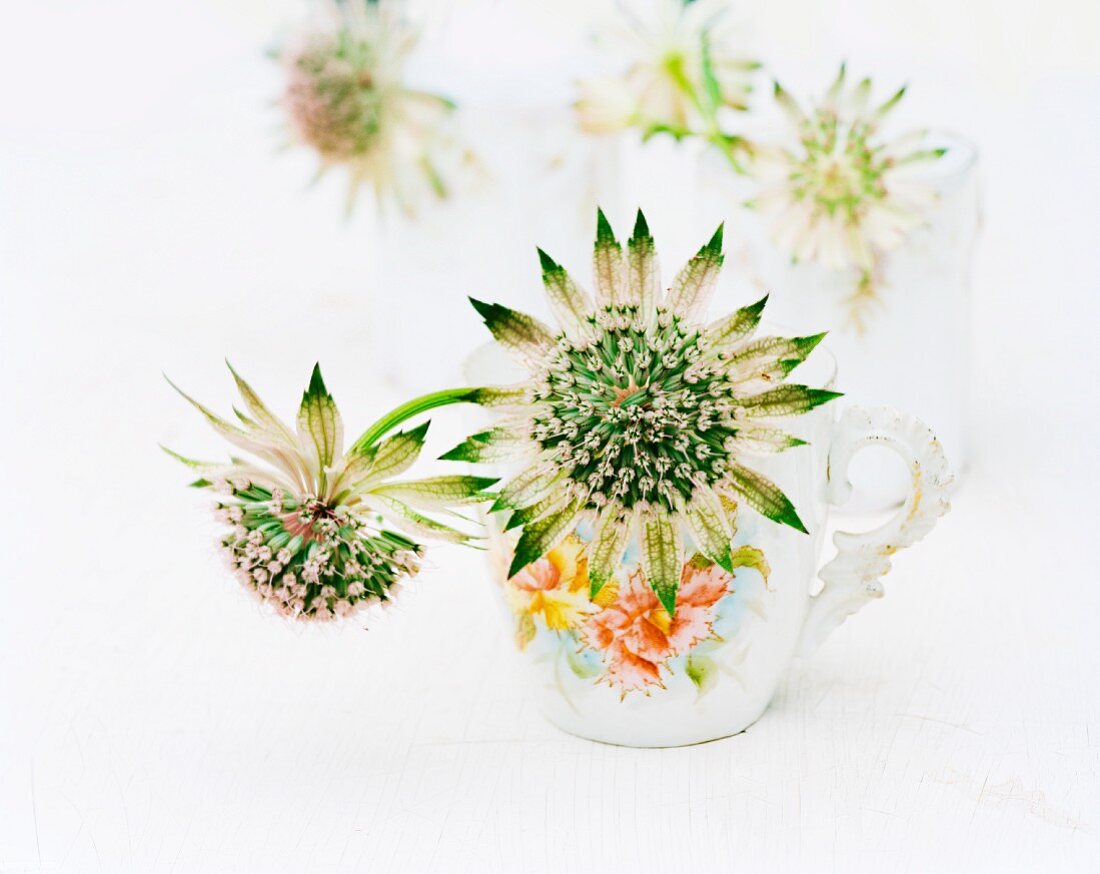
(791, 518)
(714, 245)
(605, 236)
(548, 264)
(485, 310)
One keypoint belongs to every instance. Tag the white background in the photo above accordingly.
(152, 720)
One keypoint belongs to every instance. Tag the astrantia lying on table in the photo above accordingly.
(313, 528)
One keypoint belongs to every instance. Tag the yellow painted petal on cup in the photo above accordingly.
(660, 618)
(569, 558)
(607, 595)
(560, 610)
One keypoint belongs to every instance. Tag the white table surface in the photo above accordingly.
(152, 720)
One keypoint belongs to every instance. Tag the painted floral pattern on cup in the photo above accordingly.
(624, 637)
(554, 591)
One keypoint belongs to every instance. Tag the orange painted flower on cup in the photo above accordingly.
(637, 635)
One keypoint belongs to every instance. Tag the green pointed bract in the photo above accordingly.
(319, 424)
(694, 285)
(527, 487)
(921, 155)
(606, 549)
(471, 449)
(727, 332)
(862, 95)
(496, 444)
(785, 400)
(764, 496)
(570, 305)
(214, 470)
(788, 104)
(268, 420)
(552, 503)
(238, 437)
(643, 280)
(891, 103)
(761, 441)
(226, 429)
(838, 83)
(548, 264)
(714, 244)
(662, 555)
(396, 454)
(417, 524)
(356, 467)
(519, 333)
(190, 462)
(770, 358)
(709, 526)
(604, 234)
(607, 261)
(761, 371)
(540, 537)
(438, 492)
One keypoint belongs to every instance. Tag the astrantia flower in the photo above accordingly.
(638, 413)
(682, 67)
(312, 527)
(843, 194)
(345, 98)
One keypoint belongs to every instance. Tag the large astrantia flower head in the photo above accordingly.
(681, 67)
(345, 98)
(318, 532)
(639, 413)
(842, 194)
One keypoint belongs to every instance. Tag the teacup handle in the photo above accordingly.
(852, 577)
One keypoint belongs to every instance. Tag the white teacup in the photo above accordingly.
(618, 669)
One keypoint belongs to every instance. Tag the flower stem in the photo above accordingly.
(707, 104)
(409, 409)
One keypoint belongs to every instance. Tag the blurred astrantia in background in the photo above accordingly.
(317, 532)
(840, 193)
(682, 70)
(346, 99)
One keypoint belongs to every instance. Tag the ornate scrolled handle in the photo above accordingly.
(852, 578)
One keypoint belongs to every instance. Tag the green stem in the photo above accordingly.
(728, 146)
(707, 107)
(412, 408)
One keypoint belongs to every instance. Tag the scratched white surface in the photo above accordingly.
(151, 720)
